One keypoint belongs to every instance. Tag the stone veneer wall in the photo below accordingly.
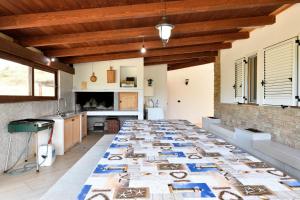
(283, 124)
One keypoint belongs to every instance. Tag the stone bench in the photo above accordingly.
(251, 134)
(207, 121)
(214, 125)
(260, 145)
(280, 152)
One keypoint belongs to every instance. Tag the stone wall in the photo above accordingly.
(283, 124)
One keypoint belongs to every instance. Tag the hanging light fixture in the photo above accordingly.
(164, 28)
(143, 49)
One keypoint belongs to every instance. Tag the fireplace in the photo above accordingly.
(95, 101)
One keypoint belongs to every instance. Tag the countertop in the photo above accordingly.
(65, 115)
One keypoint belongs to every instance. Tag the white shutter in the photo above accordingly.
(280, 73)
(298, 64)
(239, 85)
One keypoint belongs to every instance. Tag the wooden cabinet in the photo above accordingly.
(68, 141)
(76, 129)
(71, 132)
(128, 101)
(84, 124)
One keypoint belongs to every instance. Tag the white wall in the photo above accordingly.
(83, 72)
(197, 98)
(286, 26)
(158, 73)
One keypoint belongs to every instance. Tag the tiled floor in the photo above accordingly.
(32, 185)
(70, 183)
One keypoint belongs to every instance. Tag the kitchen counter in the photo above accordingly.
(65, 115)
(69, 128)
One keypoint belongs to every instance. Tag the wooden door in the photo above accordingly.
(84, 124)
(76, 129)
(128, 101)
(68, 141)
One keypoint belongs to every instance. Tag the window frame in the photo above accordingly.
(12, 98)
(248, 79)
(244, 98)
(240, 99)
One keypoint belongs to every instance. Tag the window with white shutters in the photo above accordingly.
(252, 79)
(239, 85)
(280, 73)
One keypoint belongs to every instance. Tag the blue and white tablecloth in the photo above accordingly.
(174, 160)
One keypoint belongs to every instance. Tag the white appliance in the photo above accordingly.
(46, 154)
(155, 113)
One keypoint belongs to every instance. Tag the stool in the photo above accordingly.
(113, 124)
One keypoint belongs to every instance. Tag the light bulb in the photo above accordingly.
(143, 49)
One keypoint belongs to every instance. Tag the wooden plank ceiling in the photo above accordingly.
(77, 31)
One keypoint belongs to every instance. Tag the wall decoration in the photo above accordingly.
(150, 81)
(83, 85)
(111, 75)
(187, 81)
(93, 77)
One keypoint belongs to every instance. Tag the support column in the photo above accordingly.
(217, 86)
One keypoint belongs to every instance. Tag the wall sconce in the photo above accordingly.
(187, 81)
(150, 81)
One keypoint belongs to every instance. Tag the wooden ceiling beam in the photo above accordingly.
(207, 39)
(122, 34)
(152, 53)
(171, 62)
(127, 12)
(11, 49)
(200, 61)
(169, 58)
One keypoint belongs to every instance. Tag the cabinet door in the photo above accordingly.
(68, 141)
(76, 129)
(84, 125)
(128, 101)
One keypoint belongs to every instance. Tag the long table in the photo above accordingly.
(174, 160)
